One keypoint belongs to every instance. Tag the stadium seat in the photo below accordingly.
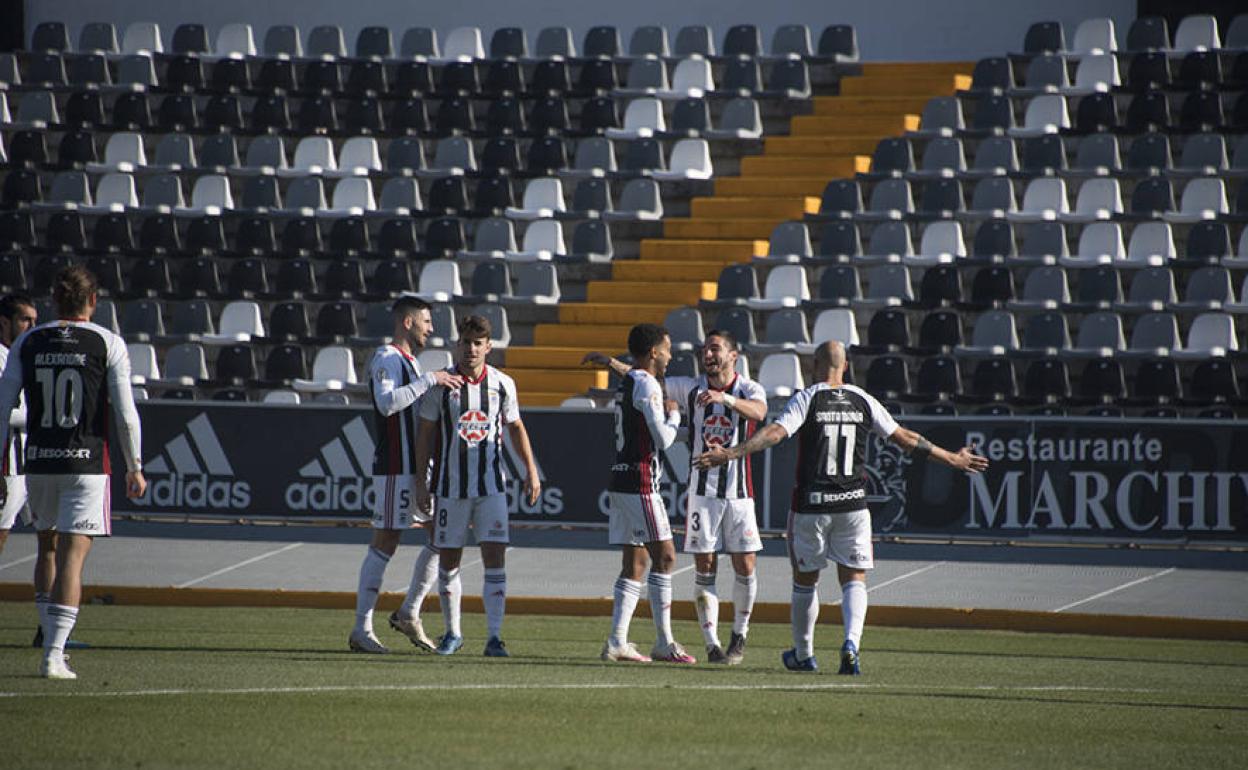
(643, 118)
(780, 375)
(785, 329)
(1045, 114)
(1097, 200)
(685, 326)
(887, 286)
(691, 159)
(1196, 33)
(333, 368)
(1044, 199)
(994, 334)
(542, 241)
(639, 201)
(1210, 335)
(1202, 199)
(941, 243)
(786, 286)
(439, 281)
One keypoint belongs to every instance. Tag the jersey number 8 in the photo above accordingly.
(62, 396)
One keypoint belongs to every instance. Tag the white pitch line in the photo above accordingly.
(477, 561)
(796, 687)
(244, 563)
(1116, 589)
(683, 570)
(17, 562)
(900, 578)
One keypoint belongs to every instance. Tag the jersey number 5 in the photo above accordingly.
(62, 396)
(840, 443)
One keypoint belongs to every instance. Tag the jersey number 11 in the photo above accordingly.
(837, 434)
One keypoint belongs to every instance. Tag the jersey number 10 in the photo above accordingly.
(840, 443)
(62, 397)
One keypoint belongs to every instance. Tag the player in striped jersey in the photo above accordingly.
(645, 425)
(466, 423)
(829, 522)
(17, 314)
(723, 409)
(76, 377)
(397, 389)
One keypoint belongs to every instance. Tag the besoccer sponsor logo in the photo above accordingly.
(192, 471)
(338, 478)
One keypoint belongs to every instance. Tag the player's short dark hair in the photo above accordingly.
(10, 303)
(408, 305)
(643, 337)
(73, 288)
(475, 327)
(729, 340)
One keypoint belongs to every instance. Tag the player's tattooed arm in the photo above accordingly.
(602, 359)
(914, 444)
(764, 439)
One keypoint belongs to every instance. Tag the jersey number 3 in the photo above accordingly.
(62, 396)
(840, 443)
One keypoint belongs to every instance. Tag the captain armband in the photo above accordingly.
(922, 449)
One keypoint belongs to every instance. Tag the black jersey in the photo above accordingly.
(641, 432)
(70, 372)
(831, 425)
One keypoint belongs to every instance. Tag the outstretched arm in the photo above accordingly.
(604, 360)
(765, 439)
(916, 445)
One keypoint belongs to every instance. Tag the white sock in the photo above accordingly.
(371, 573)
(744, 589)
(494, 596)
(805, 611)
(627, 594)
(42, 600)
(61, 620)
(424, 575)
(450, 592)
(706, 601)
(661, 607)
(854, 609)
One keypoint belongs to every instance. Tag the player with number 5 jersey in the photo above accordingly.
(829, 522)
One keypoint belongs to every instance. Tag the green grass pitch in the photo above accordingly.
(223, 688)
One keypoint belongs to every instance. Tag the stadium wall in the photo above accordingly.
(888, 30)
(1069, 479)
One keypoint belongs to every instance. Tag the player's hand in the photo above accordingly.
(970, 462)
(597, 359)
(448, 380)
(710, 397)
(136, 485)
(710, 459)
(532, 487)
(670, 406)
(424, 501)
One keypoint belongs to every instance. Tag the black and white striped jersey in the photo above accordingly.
(470, 422)
(396, 388)
(715, 425)
(831, 425)
(641, 432)
(13, 459)
(73, 373)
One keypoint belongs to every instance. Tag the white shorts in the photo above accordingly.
(818, 540)
(74, 504)
(15, 503)
(488, 516)
(396, 503)
(712, 521)
(637, 519)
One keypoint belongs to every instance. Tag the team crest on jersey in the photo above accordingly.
(717, 430)
(474, 426)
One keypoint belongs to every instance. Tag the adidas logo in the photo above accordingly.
(196, 471)
(340, 476)
(549, 502)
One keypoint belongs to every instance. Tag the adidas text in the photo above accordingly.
(351, 493)
(196, 492)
